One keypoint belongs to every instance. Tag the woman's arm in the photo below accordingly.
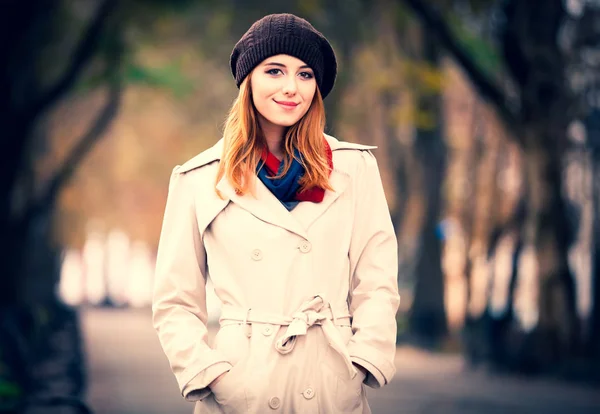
(373, 295)
(179, 302)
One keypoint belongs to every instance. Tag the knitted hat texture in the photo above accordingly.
(285, 34)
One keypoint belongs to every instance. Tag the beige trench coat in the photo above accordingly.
(305, 292)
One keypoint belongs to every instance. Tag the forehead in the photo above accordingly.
(287, 60)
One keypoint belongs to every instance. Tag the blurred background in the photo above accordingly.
(487, 118)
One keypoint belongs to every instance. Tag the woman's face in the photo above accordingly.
(283, 88)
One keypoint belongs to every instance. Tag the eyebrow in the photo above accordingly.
(283, 66)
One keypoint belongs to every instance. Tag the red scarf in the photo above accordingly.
(314, 194)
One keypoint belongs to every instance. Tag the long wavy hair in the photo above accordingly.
(244, 143)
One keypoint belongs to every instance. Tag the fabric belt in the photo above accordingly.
(315, 311)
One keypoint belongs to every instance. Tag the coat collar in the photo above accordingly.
(214, 153)
(265, 206)
(204, 158)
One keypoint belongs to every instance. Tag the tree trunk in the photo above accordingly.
(427, 317)
(482, 219)
(547, 228)
(41, 359)
(537, 113)
(594, 338)
(538, 67)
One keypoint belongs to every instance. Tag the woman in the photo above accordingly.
(293, 227)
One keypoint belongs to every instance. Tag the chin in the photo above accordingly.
(285, 122)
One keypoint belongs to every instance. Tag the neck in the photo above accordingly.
(273, 135)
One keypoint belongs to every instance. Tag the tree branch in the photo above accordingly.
(86, 143)
(488, 90)
(21, 120)
(85, 50)
(81, 149)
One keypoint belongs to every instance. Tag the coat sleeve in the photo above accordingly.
(179, 299)
(373, 297)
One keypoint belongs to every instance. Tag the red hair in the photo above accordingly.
(244, 143)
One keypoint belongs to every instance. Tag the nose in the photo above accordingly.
(290, 87)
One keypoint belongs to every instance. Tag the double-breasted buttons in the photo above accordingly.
(267, 330)
(305, 246)
(256, 254)
(274, 403)
(308, 393)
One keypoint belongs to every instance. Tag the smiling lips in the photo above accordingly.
(287, 104)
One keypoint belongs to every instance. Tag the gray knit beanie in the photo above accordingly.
(285, 34)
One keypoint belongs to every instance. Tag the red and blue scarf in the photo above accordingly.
(287, 188)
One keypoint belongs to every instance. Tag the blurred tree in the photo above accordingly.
(27, 97)
(427, 320)
(537, 108)
(584, 36)
(40, 338)
(593, 343)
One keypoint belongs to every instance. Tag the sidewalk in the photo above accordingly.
(433, 383)
(129, 374)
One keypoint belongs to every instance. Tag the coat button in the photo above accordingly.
(308, 393)
(274, 402)
(267, 330)
(304, 246)
(256, 254)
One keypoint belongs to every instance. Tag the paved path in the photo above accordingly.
(129, 374)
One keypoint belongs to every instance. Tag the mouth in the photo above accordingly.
(286, 104)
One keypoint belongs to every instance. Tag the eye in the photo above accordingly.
(273, 71)
(306, 75)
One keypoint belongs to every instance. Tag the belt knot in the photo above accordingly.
(306, 316)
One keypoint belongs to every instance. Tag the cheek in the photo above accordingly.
(308, 96)
(262, 103)
(308, 92)
(260, 98)
(260, 89)
(256, 100)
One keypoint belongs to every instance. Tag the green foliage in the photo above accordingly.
(463, 17)
(481, 50)
(10, 392)
(162, 6)
(169, 77)
(424, 78)
(310, 7)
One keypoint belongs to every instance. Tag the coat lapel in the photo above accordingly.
(264, 206)
(307, 212)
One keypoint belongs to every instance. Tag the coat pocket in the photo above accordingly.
(348, 393)
(333, 359)
(230, 392)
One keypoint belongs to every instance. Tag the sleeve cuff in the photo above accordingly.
(375, 378)
(381, 370)
(197, 389)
